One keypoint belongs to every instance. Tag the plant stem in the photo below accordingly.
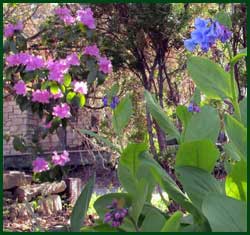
(234, 98)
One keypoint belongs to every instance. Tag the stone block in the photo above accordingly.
(14, 179)
(50, 205)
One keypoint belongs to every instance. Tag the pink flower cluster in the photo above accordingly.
(41, 96)
(65, 15)
(57, 69)
(30, 61)
(62, 111)
(80, 87)
(60, 159)
(10, 29)
(104, 63)
(40, 165)
(84, 15)
(20, 88)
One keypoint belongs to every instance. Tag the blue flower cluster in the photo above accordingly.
(113, 104)
(193, 108)
(116, 215)
(206, 33)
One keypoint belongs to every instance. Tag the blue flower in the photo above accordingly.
(206, 33)
(105, 101)
(114, 102)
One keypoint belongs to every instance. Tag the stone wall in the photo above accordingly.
(16, 122)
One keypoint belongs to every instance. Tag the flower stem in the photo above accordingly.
(232, 80)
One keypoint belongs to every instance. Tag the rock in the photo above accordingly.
(27, 193)
(21, 210)
(74, 188)
(14, 179)
(50, 205)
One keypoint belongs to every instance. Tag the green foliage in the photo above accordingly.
(81, 206)
(201, 154)
(173, 223)
(160, 117)
(224, 18)
(203, 125)
(210, 78)
(224, 213)
(122, 114)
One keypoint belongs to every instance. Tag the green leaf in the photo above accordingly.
(236, 181)
(82, 100)
(224, 18)
(153, 221)
(237, 134)
(101, 139)
(202, 154)
(196, 96)
(113, 90)
(19, 144)
(81, 206)
(160, 117)
(67, 80)
(102, 202)
(210, 78)
(232, 152)
(91, 76)
(169, 185)
(54, 89)
(183, 114)
(243, 111)
(203, 125)
(240, 55)
(70, 96)
(173, 223)
(128, 165)
(198, 183)
(224, 213)
(122, 114)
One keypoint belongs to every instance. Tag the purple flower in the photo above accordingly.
(40, 165)
(116, 215)
(41, 96)
(193, 108)
(92, 50)
(105, 65)
(57, 69)
(31, 62)
(10, 29)
(72, 59)
(20, 88)
(105, 101)
(62, 111)
(65, 15)
(58, 95)
(60, 159)
(86, 17)
(227, 68)
(80, 87)
(114, 102)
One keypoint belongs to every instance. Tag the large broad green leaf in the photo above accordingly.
(210, 78)
(243, 111)
(122, 114)
(224, 18)
(128, 165)
(183, 115)
(169, 185)
(102, 202)
(101, 139)
(173, 223)
(202, 154)
(203, 125)
(225, 214)
(139, 199)
(236, 181)
(67, 80)
(153, 221)
(161, 118)
(198, 183)
(237, 134)
(232, 152)
(81, 206)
